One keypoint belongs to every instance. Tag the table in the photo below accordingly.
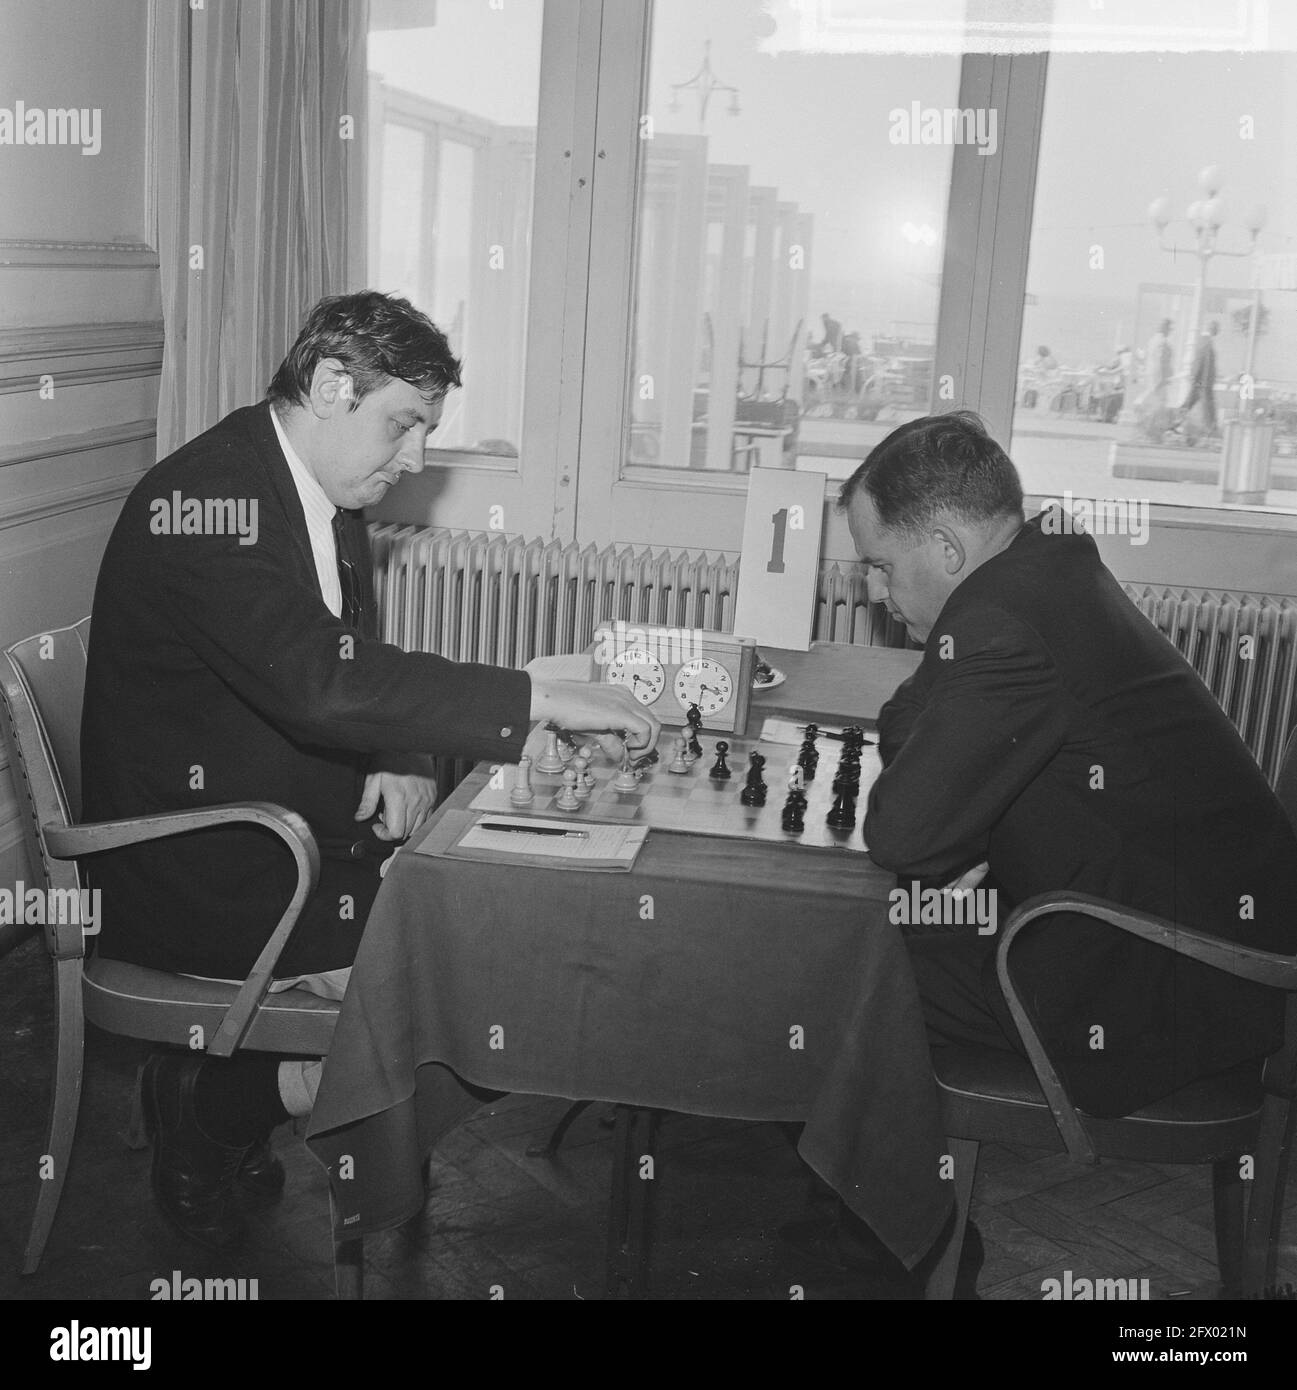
(719, 977)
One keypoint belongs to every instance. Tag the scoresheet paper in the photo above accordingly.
(601, 846)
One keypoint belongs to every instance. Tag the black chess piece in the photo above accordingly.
(754, 793)
(842, 815)
(720, 769)
(694, 718)
(792, 819)
(808, 759)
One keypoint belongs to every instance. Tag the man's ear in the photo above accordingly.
(954, 555)
(331, 388)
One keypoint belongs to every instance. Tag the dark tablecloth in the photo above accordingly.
(766, 984)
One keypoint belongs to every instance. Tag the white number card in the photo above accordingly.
(781, 558)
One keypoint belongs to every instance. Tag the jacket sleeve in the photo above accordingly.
(897, 716)
(247, 613)
(993, 716)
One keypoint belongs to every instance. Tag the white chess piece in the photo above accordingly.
(522, 794)
(627, 780)
(678, 763)
(549, 760)
(584, 778)
(567, 798)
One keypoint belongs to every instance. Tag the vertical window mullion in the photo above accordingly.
(988, 237)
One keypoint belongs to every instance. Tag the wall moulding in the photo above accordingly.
(79, 354)
(77, 255)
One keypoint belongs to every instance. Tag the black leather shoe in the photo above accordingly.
(194, 1179)
(261, 1176)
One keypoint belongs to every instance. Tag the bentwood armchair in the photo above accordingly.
(1000, 1097)
(42, 682)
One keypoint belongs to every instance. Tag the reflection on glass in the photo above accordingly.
(789, 246)
(1159, 343)
(454, 92)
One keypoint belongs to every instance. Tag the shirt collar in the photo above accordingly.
(315, 501)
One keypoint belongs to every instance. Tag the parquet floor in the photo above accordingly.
(534, 1228)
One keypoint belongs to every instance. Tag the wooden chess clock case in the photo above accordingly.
(668, 669)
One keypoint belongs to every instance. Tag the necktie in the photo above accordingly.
(348, 579)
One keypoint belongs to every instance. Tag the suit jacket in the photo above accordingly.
(1052, 731)
(216, 673)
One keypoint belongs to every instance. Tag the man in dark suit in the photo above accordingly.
(234, 657)
(1052, 734)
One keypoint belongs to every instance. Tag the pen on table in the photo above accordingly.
(829, 733)
(534, 830)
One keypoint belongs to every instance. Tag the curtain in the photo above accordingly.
(259, 140)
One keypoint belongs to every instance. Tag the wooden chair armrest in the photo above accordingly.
(1245, 962)
(73, 841)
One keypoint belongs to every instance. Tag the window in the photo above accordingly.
(453, 114)
(1172, 208)
(790, 216)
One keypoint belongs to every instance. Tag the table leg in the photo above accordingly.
(631, 1204)
(348, 1262)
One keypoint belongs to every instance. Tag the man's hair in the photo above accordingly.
(939, 465)
(376, 337)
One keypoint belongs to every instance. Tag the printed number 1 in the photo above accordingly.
(776, 563)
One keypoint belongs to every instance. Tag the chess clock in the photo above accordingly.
(668, 669)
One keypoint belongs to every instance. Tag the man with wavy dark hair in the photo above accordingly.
(1053, 739)
(234, 656)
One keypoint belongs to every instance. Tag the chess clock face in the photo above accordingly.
(640, 672)
(704, 682)
(712, 670)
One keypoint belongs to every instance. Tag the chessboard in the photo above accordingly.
(693, 803)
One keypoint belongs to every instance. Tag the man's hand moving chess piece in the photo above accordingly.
(605, 711)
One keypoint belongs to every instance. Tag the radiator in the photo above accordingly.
(475, 596)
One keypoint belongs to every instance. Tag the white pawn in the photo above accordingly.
(678, 763)
(549, 760)
(522, 794)
(627, 780)
(584, 778)
(567, 798)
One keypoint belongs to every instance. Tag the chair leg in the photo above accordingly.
(64, 1103)
(1265, 1207)
(137, 1135)
(348, 1261)
(941, 1282)
(1228, 1202)
(552, 1144)
(631, 1203)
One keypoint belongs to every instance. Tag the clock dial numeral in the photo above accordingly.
(704, 682)
(641, 673)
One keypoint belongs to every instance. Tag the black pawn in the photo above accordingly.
(793, 817)
(720, 769)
